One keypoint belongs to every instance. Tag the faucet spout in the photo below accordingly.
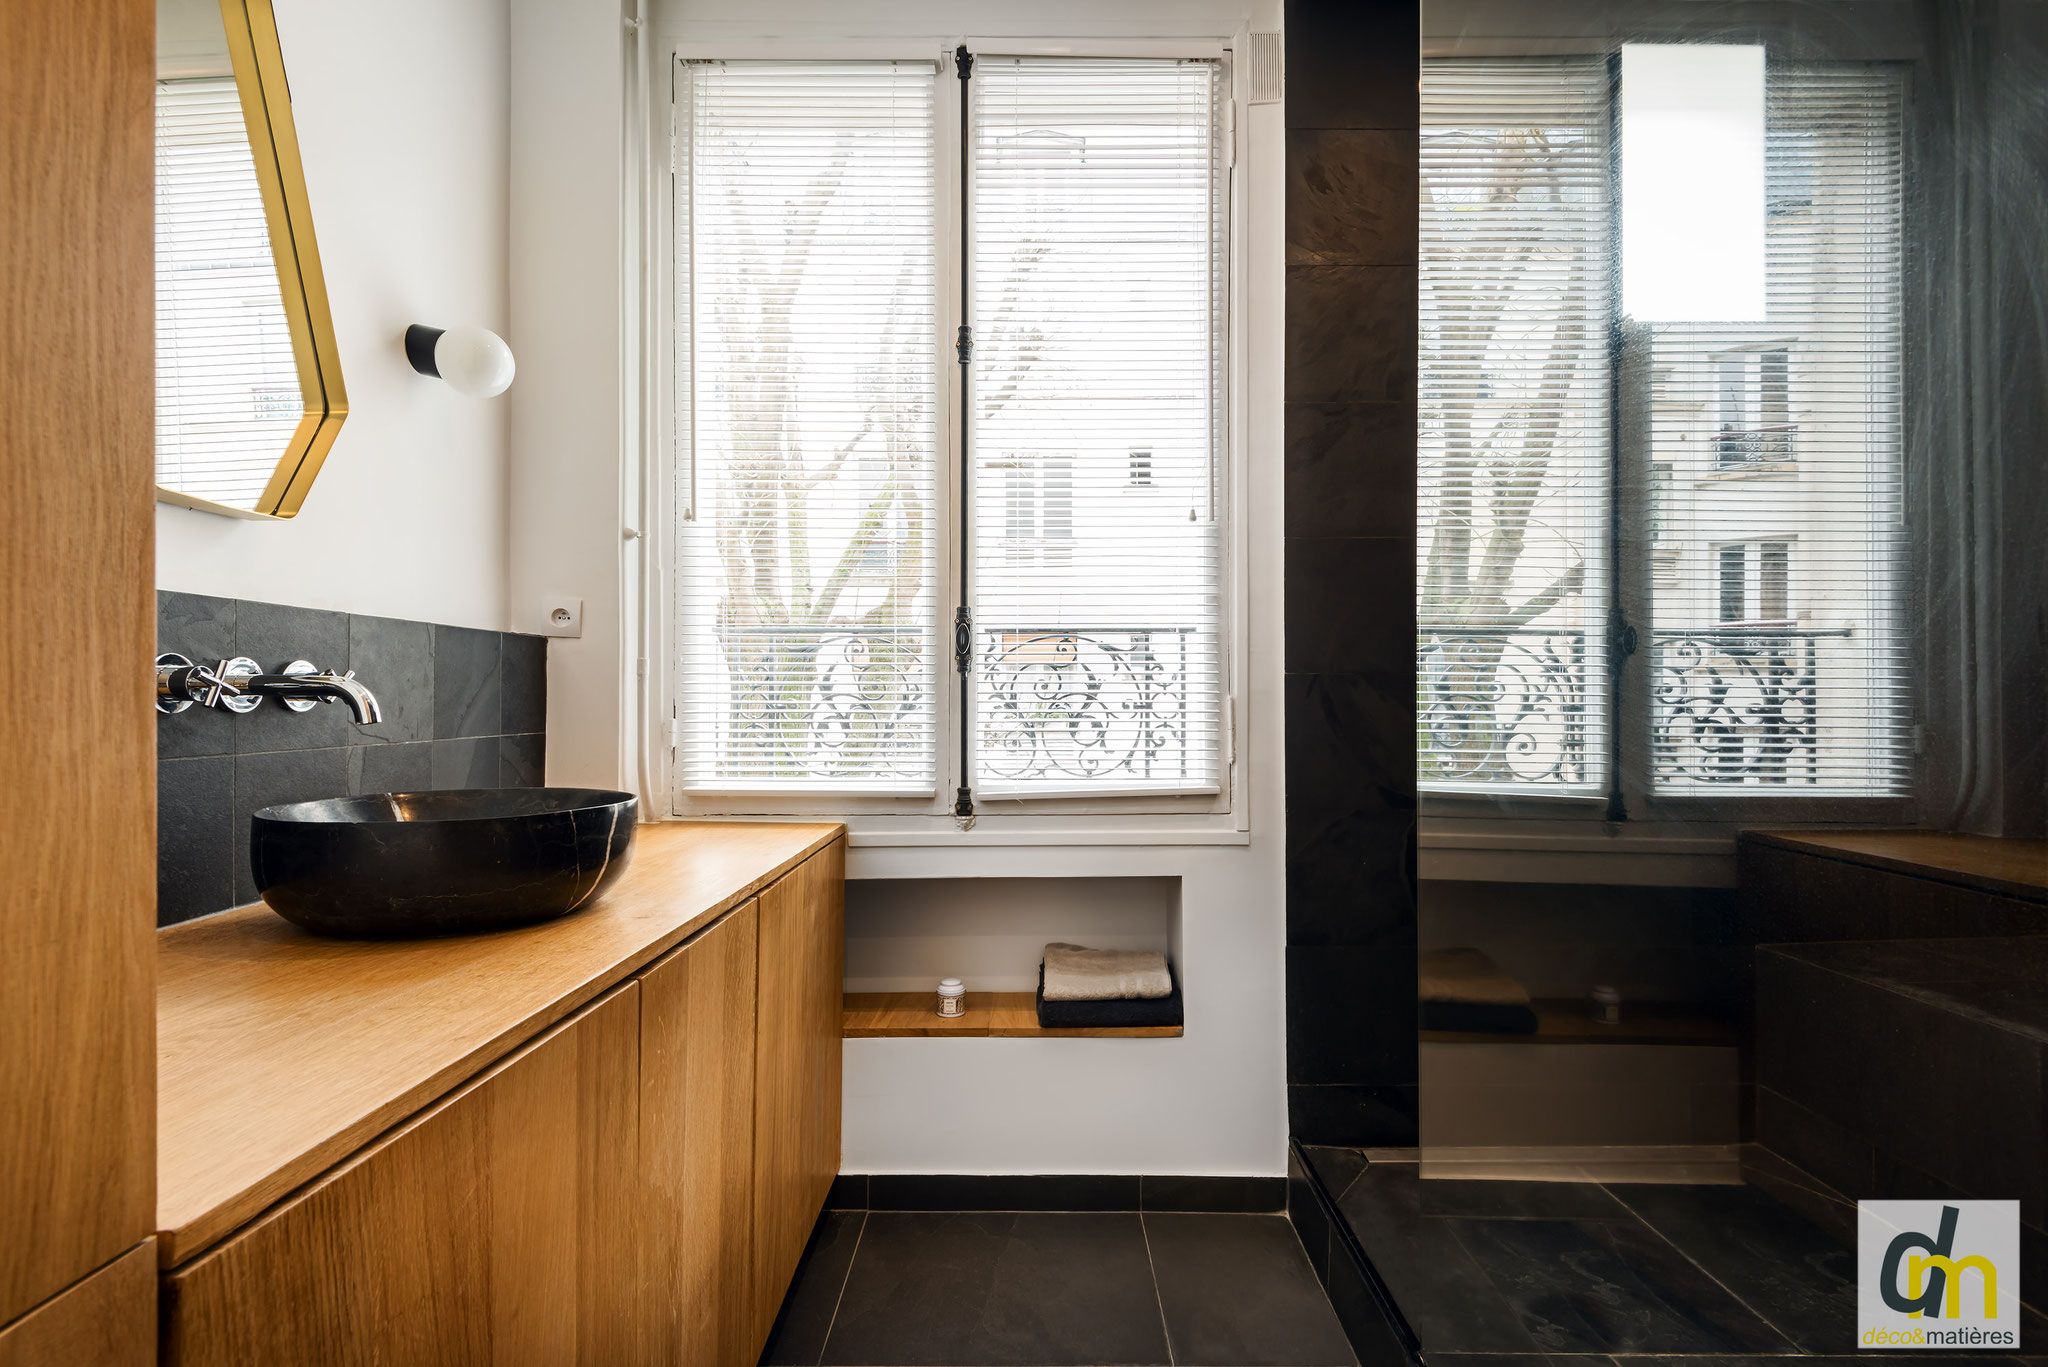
(343, 688)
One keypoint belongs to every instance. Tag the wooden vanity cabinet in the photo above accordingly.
(697, 1035)
(797, 1069)
(635, 1186)
(495, 1228)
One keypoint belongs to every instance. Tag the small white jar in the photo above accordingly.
(1606, 1005)
(952, 997)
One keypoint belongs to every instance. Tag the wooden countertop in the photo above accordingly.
(2010, 868)
(280, 1053)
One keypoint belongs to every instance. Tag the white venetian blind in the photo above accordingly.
(1779, 643)
(1097, 246)
(808, 427)
(1513, 455)
(227, 388)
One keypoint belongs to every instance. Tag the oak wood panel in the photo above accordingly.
(77, 530)
(2012, 868)
(1010, 1015)
(697, 1146)
(796, 1068)
(497, 1229)
(281, 1053)
(107, 1320)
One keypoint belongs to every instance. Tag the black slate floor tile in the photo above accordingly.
(1609, 1286)
(1002, 1289)
(1798, 1278)
(1337, 1167)
(798, 1338)
(1438, 1283)
(1237, 1291)
(1491, 1200)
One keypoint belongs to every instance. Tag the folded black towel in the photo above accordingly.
(1116, 1012)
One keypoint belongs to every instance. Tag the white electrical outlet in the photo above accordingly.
(561, 616)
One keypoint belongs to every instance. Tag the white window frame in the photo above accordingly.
(1218, 817)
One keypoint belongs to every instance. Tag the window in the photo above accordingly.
(1548, 419)
(822, 512)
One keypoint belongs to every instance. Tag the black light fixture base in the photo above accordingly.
(419, 348)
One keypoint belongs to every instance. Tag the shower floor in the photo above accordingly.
(1623, 1271)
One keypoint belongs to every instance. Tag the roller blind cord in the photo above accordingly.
(963, 346)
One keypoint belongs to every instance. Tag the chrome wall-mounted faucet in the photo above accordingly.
(239, 684)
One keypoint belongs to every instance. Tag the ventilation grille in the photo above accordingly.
(1266, 78)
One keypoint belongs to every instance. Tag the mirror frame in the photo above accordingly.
(258, 63)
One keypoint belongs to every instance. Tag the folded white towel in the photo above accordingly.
(1075, 974)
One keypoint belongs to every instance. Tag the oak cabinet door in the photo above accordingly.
(107, 1320)
(697, 1146)
(496, 1229)
(796, 1068)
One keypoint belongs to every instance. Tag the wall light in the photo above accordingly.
(473, 360)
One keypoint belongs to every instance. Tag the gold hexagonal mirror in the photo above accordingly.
(248, 381)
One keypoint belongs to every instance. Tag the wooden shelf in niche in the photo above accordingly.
(1568, 1020)
(1011, 1015)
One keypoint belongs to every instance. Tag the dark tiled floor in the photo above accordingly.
(1557, 1274)
(1055, 1289)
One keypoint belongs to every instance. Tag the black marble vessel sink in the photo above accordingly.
(401, 865)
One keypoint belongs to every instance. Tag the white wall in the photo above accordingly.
(570, 282)
(401, 110)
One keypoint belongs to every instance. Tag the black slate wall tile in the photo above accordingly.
(264, 780)
(468, 695)
(470, 762)
(395, 660)
(1353, 63)
(201, 629)
(525, 692)
(195, 858)
(1351, 334)
(214, 767)
(1351, 610)
(1352, 196)
(273, 635)
(1350, 469)
(1353, 70)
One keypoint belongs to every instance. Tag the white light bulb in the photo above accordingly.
(474, 360)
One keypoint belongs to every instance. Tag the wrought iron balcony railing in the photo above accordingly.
(1056, 704)
(1512, 708)
(1737, 706)
(1086, 705)
(1771, 445)
(1503, 707)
